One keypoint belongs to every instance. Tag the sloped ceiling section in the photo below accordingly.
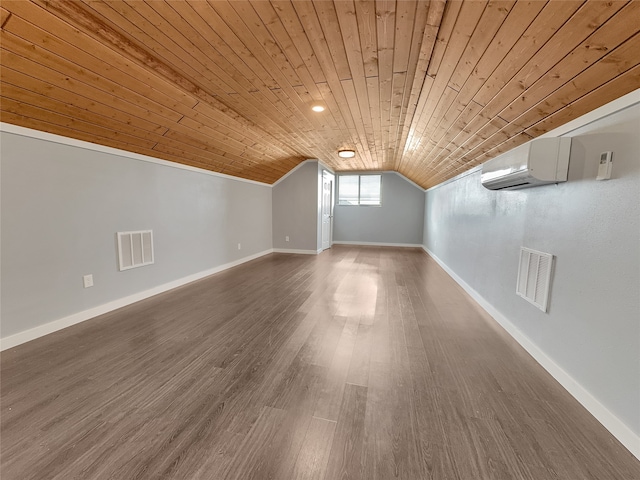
(426, 88)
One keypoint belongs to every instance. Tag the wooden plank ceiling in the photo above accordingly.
(426, 88)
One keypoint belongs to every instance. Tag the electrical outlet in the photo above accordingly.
(239, 247)
(88, 281)
(286, 239)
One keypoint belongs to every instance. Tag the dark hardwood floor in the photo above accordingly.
(359, 363)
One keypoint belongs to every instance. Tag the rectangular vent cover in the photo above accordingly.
(534, 277)
(135, 249)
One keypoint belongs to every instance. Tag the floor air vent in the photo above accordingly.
(534, 277)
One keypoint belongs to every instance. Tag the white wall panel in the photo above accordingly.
(295, 209)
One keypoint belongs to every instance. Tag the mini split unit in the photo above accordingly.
(538, 162)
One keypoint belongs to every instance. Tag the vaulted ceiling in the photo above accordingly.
(425, 88)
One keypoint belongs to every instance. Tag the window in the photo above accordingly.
(359, 189)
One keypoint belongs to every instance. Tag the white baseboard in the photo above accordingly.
(75, 318)
(612, 423)
(293, 250)
(377, 244)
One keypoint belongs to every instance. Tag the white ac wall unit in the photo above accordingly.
(538, 162)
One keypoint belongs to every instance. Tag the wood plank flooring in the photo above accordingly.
(359, 363)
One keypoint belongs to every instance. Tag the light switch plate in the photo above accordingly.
(88, 281)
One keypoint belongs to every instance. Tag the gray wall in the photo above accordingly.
(61, 208)
(592, 329)
(295, 209)
(398, 220)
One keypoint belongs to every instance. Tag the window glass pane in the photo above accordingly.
(348, 190)
(370, 190)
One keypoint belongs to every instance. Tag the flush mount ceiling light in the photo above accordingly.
(317, 108)
(346, 153)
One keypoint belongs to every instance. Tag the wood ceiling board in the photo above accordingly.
(490, 20)
(565, 39)
(440, 142)
(326, 16)
(61, 81)
(347, 107)
(539, 32)
(265, 49)
(619, 86)
(263, 103)
(367, 30)
(362, 147)
(290, 21)
(517, 21)
(490, 23)
(397, 97)
(591, 50)
(4, 16)
(419, 79)
(22, 28)
(345, 124)
(467, 19)
(614, 64)
(373, 92)
(357, 82)
(425, 88)
(20, 52)
(385, 27)
(424, 36)
(64, 119)
(272, 21)
(130, 33)
(585, 21)
(24, 96)
(42, 88)
(70, 43)
(345, 12)
(35, 123)
(206, 114)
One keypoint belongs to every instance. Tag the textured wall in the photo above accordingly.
(398, 220)
(295, 209)
(592, 329)
(62, 206)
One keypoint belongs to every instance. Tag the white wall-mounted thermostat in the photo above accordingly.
(604, 168)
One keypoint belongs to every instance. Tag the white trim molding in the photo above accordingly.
(54, 326)
(612, 423)
(295, 251)
(377, 244)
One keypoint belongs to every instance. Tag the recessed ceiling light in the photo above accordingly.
(346, 153)
(317, 108)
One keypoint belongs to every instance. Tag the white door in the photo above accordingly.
(327, 209)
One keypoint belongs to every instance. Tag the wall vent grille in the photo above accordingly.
(135, 249)
(534, 277)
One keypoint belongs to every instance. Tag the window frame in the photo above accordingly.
(359, 175)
